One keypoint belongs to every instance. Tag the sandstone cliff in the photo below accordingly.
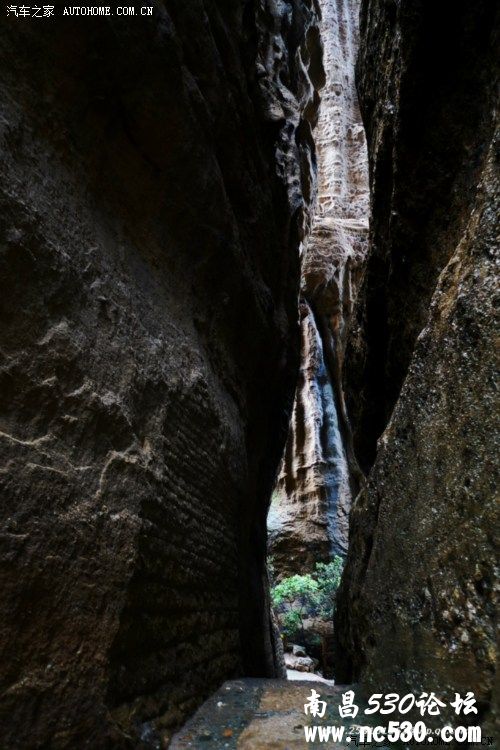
(156, 177)
(312, 500)
(417, 604)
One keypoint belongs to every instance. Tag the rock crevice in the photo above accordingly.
(319, 473)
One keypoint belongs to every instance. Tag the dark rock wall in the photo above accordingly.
(156, 176)
(417, 605)
(426, 82)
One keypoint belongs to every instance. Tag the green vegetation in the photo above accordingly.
(307, 597)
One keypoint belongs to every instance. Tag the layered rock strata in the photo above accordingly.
(417, 605)
(156, 178)
(309, 515)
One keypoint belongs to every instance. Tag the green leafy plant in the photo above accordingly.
(328, 576)
(294, 599)
(302, 597)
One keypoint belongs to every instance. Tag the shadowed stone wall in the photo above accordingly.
(417, 605)
(156, 178)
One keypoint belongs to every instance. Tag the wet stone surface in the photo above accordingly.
(260, 714)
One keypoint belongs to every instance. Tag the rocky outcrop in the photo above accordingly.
(156, 177)
(417, 605)
(309, 515)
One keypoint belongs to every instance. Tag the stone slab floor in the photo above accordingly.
(260, 714)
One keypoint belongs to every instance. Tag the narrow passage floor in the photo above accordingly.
(259, 714)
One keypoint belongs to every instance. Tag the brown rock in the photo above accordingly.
(153, 200)
(426, 77)
(417, 606)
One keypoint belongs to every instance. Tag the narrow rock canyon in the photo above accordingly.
(249, 262)
(309, 516)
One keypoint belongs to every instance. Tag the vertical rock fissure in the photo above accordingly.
(338, 477)
(319, 475)
(333, 347)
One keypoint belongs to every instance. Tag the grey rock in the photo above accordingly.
(300, 663)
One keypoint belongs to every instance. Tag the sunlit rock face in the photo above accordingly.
(417, 605)
(156, 175)
(308, 519)
(309, 514)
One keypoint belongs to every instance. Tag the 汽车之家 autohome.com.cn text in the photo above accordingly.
(48, 11)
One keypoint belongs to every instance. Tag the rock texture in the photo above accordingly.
(424, 76)
(266, 715)
(417, 605)
(309, 516)
(156, 177)
(300, 663)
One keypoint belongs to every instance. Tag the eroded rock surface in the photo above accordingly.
(417, 605)
(425, 76)
(308, 518)
(156, 176)
(309, 515)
